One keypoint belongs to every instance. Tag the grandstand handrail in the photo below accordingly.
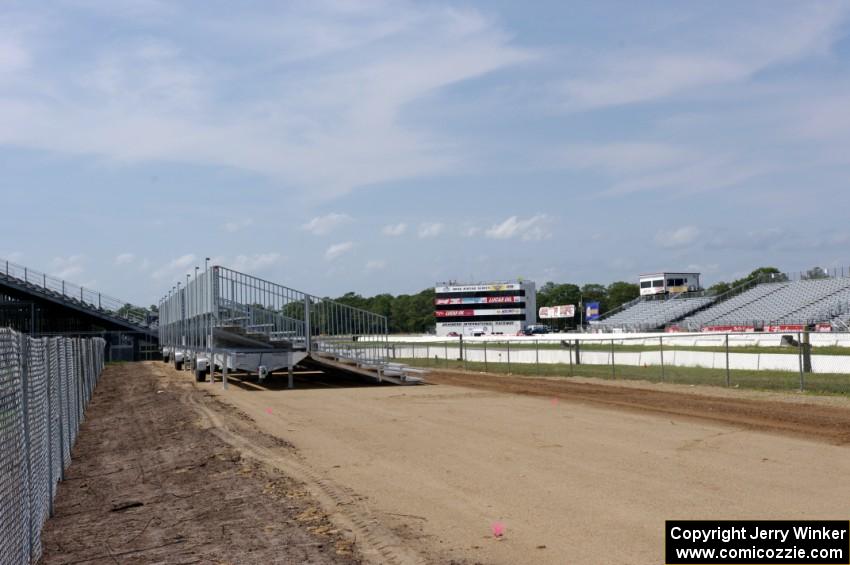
(619, 308)
(86, 297)
(735, 291)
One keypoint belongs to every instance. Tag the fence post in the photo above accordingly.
(613, 369)
(728, 374)
(26, 484)
(800, 359)
(462, 352)
(661, 351)
(509, 356)
(485, 357)
(537, 354)
(570, 355)
(446, 353)
(49, 378)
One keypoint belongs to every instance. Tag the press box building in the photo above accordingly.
(485, 308)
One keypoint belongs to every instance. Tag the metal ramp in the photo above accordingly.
(234, 321)
(394, 373)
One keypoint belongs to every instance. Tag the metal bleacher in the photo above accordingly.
(115, 313)
(806, 301)
(651, 314)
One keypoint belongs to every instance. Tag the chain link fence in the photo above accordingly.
(45, 386)
(780, 361)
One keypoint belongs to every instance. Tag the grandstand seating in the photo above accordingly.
(653, 314)
(797, 302)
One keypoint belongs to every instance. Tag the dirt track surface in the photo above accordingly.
(584, 475)
(150, 483)
(811, 420)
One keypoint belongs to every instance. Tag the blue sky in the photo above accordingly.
(383, 146)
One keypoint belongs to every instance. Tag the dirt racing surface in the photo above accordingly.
(817, 421)
(566, 477)
(335, 471)
(149, 483)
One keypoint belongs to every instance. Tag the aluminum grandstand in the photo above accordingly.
(776, 304)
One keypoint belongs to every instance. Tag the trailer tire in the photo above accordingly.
(200, 376)
(178, 365)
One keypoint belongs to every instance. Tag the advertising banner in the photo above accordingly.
(785, 328)
(565, 311)
(591, 311)
(728, 329)
(479, 300)
(478, 288)
(463, 313)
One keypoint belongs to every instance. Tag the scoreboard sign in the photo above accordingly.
(565, 311)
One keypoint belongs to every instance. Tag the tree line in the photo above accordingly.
(414, 313)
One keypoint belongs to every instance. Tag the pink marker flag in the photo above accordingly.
(498, 529)
(268, 410)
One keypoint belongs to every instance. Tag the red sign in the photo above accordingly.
(785, 328)
(451, 313)
(728, 329)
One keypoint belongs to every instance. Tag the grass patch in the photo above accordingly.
(584, 346)
(821, 383)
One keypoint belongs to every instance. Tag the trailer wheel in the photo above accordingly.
(200, 376)
(178, 365)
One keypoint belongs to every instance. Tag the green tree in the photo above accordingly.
(621, 292)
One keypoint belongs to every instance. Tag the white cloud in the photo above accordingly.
(176, 268)
(394, 229)
(471, 231)
(624, 157)
(678, 237)
(255, 262)
(68, 267)
(338, 249)
(530, 229)
(376, 265)
(323, 225)
(125, 258)
(234, 226)
(714, 55)
(13, 256)
(644, 166)
(323, 128)
(430, 229)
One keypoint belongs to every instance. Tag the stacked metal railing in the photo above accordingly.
(75, 294)
(219, 298)
(45, 386)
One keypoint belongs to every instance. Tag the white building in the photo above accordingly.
(485, 308)
(662, 283)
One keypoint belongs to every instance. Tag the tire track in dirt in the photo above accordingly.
(375, 543)
(829, 424)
